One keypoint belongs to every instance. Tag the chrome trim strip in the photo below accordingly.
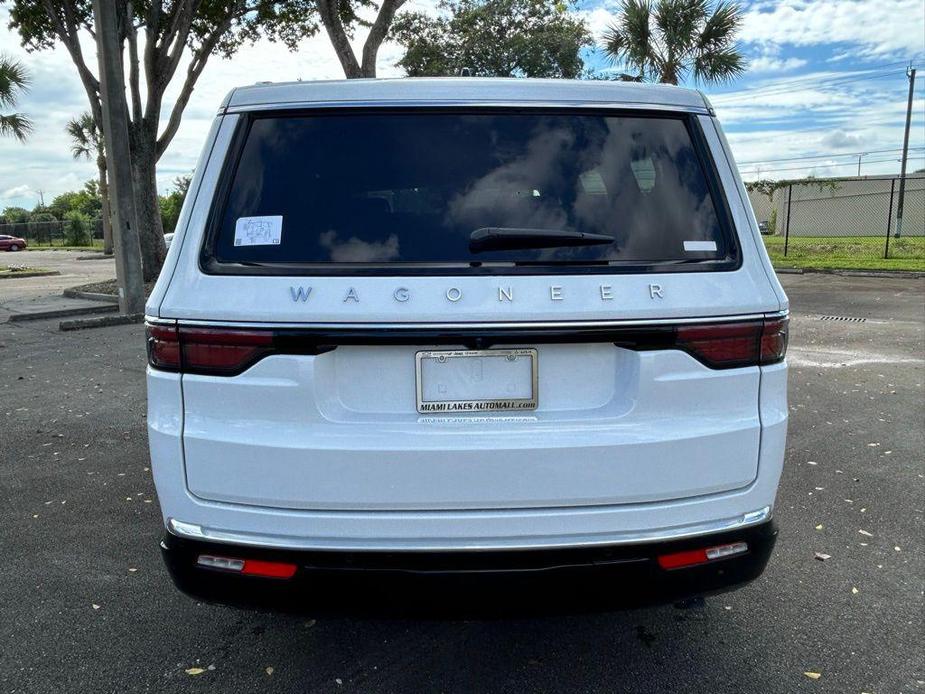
(197, 532)
(474, 325)
(444, 103)
(153, 320)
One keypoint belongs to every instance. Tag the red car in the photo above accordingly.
(11, 243)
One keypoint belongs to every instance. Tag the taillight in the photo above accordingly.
(212, 351)
(163, 347)
(774, 339)
(730, 345)
(222, 352)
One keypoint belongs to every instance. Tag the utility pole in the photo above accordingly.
(902, 173)
(862, 154)
(126, 244)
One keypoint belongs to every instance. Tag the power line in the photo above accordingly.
(721, 99)
(826, 156)
(762, 170)
(804, 80)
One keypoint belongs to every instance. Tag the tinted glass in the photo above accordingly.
(386, 188)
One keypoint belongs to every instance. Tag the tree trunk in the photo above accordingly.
(104, 197)
(147, 209)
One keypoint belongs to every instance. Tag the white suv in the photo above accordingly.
(466, 325)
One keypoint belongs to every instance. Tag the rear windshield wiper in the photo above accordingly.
(512, 238)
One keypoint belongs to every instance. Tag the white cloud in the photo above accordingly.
(17, 192)
(878, 29)
(768, 63)
(839, 139)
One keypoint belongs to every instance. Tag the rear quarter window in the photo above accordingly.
(347, 191)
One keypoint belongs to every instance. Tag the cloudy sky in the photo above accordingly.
(826, 82)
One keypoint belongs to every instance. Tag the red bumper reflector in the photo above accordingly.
(679, 559)
(249, 567)
(700, 556)
(268, 569)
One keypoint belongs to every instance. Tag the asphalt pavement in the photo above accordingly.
(86, 606)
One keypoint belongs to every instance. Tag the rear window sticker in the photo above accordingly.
(258, 231)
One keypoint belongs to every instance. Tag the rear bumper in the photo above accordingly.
(535, 580)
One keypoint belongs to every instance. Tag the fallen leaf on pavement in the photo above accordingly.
(195, 671)
(813, 675)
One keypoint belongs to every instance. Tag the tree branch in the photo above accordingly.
(154, 21)
(334, 26)
(173, 42)
(377, 34)
(196, 66)
(68, 34)
(133, 79)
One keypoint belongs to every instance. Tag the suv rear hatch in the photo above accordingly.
(355, 264)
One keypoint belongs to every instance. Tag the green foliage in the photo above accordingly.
(172, 203)
(243, 21)
(39, 217)
(86, 138)
(78, 229)
(667, 40)
(16, 215)
(81, 201)
(14, 80)
(769, 187)
(496, 38)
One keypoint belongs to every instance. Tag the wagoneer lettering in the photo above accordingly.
(530, 325)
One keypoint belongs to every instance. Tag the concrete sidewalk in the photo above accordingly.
(25, 295)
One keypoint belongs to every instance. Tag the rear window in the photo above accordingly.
(400, 191)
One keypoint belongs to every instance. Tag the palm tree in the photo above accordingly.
(87, 143)
(13, 80)
(666, 40)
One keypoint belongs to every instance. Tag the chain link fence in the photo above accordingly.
(845, 223)
(54, 233)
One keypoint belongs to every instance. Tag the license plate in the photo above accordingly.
(476, 380)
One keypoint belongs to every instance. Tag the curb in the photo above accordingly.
(62, 313)
(20, 275)
(90, 296)
(847, 272)
(903, 274)
(100, 321)
(99, 256)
